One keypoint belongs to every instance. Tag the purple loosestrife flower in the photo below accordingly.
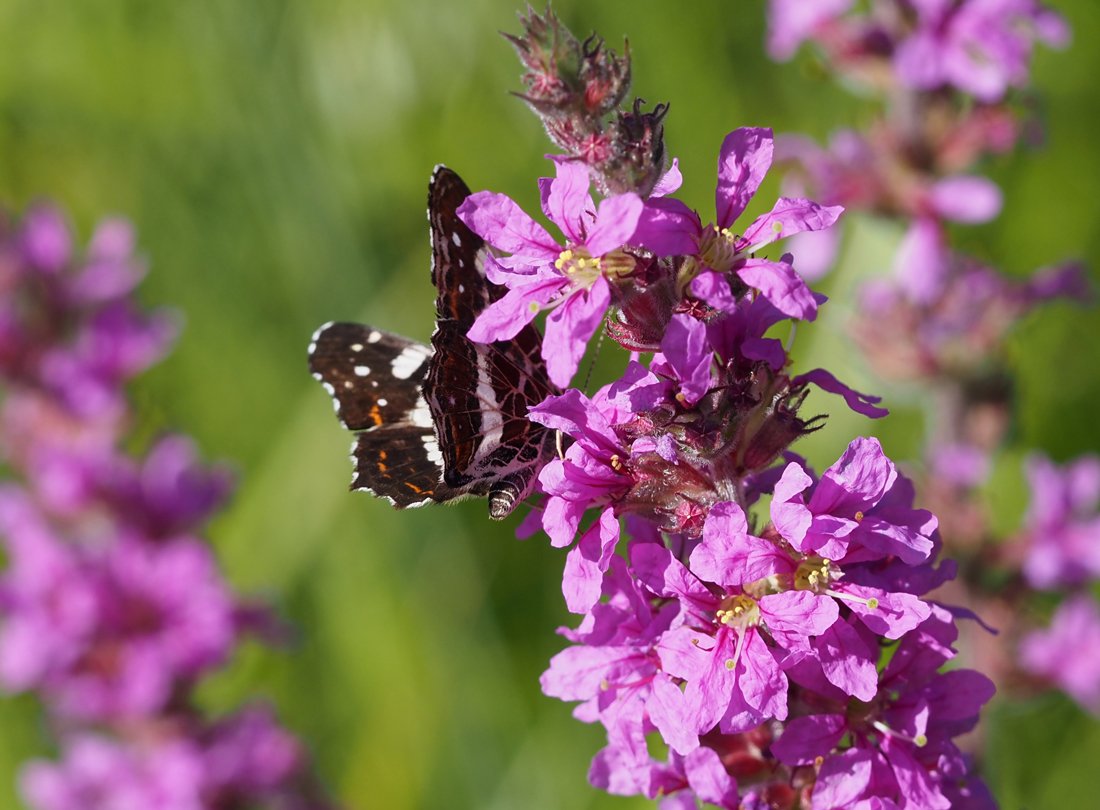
(956, 320)
(574, 281)
(1064, 654)
(1062, 526)
(792, 22)
(981, 47)
(876, 172)
(614, 670)
(111, 607)
(100, 773)
(157, 616)
(591, 472)
(860, 509)
(733, 675)
(669, 228)
(898, 742)
(67, 325)
(244, 760)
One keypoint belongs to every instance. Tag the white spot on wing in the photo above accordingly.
(317, 334)
(374, 336)
(362, 371)
(383, 402)
(455, 238)
(421, 416)
(410, 359)
(431, 448)
(357, 347)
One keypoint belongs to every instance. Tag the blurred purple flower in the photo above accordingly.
(97, 773)
(1064, 654)
(792, 22)
(111, 606)
(1062, 525)
(157, 616)
(981, 47)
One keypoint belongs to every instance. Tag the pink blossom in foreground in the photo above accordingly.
(668, 227)
(571, 281)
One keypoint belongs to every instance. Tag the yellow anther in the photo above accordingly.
(858, 517)
(730, 664)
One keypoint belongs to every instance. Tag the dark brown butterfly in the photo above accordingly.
(440, 422)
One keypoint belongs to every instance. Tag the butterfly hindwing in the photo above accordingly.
(401, 464)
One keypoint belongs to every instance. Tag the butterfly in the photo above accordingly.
(441, 422)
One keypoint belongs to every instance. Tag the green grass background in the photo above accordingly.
(274, 156)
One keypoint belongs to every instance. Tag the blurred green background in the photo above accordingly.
(274, 156)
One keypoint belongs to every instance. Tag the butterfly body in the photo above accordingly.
(437, 423)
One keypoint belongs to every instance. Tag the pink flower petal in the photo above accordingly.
(498, 220)
(788, 217)
(744, 159)
(781, 286)
(566, 200)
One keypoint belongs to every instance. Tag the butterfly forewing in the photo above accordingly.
(458, 255)
(373, 377)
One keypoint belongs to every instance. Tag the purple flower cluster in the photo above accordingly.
(1062, 526)
(758, 656)
(979, 47)
(1061, 543)
(943, 71)
(950, 316)
(752, 635)
(595, 269)
(112, 606)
